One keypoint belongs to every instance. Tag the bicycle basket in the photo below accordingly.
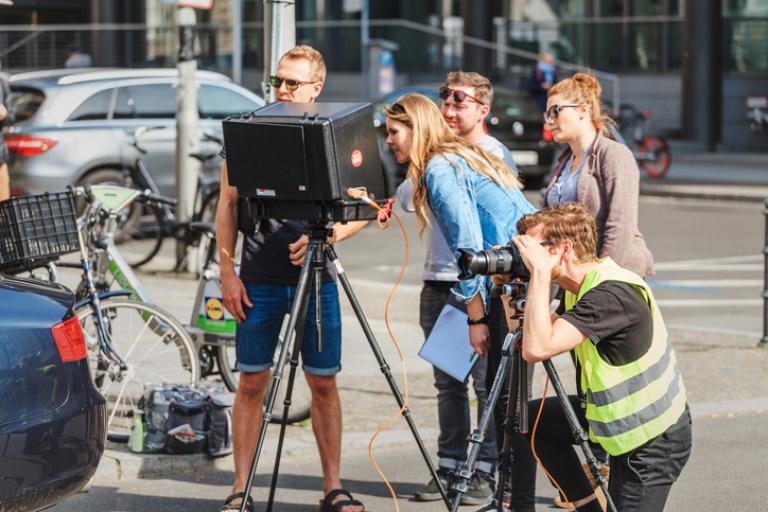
(36, 229)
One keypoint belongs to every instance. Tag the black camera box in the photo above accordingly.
(297, 160)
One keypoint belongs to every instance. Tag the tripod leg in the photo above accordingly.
(318, 263)
(478, 435)
(512, 422)
(294, 362)
(384, 367)
(302, 291)
(578, 432)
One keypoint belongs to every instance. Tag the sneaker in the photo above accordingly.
(480, 489)
(431, 491)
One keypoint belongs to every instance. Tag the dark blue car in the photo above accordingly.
(52, 418)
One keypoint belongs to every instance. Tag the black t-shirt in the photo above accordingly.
(265, 258)
(615, 317)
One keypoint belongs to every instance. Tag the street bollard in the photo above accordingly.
(764, 341)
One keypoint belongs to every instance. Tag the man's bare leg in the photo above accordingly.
(247, 414)
(326, 424)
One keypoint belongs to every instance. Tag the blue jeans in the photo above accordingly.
(256, 338)
(452, 395)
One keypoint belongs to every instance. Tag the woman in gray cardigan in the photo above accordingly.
(596, 171)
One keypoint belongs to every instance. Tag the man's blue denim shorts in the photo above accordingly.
(256, 338)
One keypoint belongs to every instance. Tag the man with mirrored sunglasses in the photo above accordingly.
(260, 297)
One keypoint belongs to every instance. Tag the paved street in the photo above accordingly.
(709, 270)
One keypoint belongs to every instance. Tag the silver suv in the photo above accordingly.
(76, 126)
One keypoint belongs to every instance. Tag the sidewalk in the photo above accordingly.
(702, 175)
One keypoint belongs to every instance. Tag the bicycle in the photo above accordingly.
(211, 327)
(147, 226)
(130, 344)
(651, 151)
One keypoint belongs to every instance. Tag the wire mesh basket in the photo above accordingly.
(36, 229)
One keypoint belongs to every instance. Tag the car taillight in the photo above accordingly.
(546, 134)
(69, 339)
(27, 145)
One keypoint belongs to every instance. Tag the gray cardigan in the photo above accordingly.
(609, 187)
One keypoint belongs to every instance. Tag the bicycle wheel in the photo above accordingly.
(154, 346)
(655, 156)
(141, 240)
(300, 399)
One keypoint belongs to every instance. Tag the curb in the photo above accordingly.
(722, 192)
(119, 464)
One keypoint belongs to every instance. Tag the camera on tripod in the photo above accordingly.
(298, 161)
(505, 260)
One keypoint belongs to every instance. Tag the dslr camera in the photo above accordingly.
(505, 260)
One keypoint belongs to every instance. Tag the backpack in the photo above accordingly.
(184, 420)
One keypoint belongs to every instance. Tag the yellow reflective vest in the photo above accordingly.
(628, 405)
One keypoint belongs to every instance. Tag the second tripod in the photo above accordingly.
(319, 251)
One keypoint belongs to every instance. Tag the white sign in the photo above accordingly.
(195, 4)
(757, 101)
(353, 6)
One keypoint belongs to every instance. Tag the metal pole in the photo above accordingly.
(187, 118)
(237, 41)
(365, 65)
(279, 37)
(764, 341)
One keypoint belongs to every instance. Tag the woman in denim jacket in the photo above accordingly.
(473, 196)
(476, 201)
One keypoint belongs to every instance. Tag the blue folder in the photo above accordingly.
(447, 346)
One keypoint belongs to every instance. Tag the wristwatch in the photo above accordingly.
(482, 320)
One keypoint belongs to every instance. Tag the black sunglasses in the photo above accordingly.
(290, 84)
(458, 96)
(397, 108)
(554, 111)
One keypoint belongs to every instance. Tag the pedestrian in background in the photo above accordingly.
(472, 196)
(542, 79)
(76, 58)
(596, 171)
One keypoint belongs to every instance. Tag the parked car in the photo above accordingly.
(52, 419)
(75, 126)
(514, 119)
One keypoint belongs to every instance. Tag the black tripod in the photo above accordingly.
(518, 385)
(318, 249)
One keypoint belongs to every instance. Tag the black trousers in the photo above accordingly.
(640, 480)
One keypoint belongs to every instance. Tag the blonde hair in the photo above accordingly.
(433, 137)
(482, 86)
(584, 88)
(566, 221)
(315, 58)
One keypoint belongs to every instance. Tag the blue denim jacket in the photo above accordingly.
(473, 212)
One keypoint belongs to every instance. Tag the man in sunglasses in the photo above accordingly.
(467, 99)
(261, 296)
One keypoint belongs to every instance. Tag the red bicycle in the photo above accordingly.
(651, 151)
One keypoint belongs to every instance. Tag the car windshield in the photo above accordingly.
(517, 107)
(25, 102)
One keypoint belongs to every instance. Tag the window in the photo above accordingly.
(152, 101)
(24, 102)
(216, 102)
(95, 107)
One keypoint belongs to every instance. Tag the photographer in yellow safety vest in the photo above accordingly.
(631, 396)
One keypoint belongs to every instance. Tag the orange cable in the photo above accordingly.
(383, 221)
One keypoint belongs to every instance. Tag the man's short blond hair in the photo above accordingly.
(566, 221)
(482, 86)
(315, 58)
